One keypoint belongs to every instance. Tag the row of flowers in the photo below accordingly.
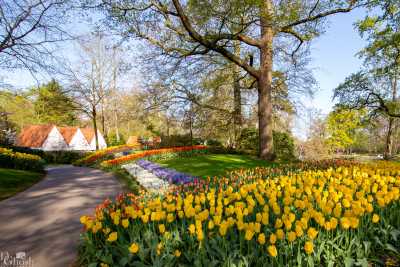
(100, 155)
(136, 156)
(20, 161)
(170, 175)
(237, 178)
(311, 217)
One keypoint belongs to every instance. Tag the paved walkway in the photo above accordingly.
(43, 221)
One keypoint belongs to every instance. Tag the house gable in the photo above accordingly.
(34, 136)
(54, 141)
(79, 142)
(68, 133)
(102, 141)
(91, 138)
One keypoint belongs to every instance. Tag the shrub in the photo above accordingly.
(248, 139)
(20, 161)
(112, 140)
(316, 218)
(52, 157)
(62, 157)
(213, 142)
(284, 148)
(178, 140)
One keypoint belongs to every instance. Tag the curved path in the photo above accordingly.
(43, 221)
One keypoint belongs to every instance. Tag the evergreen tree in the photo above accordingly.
(53, 105)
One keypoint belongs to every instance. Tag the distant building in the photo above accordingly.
(140, 141)
(91, 138)
(75, 139)
(133, 141)
(53, 138)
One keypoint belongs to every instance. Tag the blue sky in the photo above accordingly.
(333, 59)
(334, 56)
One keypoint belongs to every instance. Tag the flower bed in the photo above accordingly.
(132, 157)
(20, 161)
(237, 178)
(170, 175)
(324, 217)
(102, 154)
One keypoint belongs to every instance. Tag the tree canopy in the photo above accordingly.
(53, 105)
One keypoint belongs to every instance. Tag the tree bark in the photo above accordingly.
(103, 120)
(389, 140)
(389, 134)
(116, 126)
(237, 113)
(191, 124)
(94, 114)
(265, 84)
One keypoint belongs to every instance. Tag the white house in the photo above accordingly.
(90, 137)
(44, 137)
(73, 136)
(53, 138)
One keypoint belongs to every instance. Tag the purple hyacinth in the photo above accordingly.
(170, 175)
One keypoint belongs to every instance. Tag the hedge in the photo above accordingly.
(20, 161)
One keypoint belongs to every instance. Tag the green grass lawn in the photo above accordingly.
(14, 181)
(212, 165)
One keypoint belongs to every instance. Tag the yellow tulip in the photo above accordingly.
(309, 247)
(261, 239)
(134, 248)
(312, 233)
(192, 229)
(272, 251)
(280, 234)
(177, 253)
(291, 236)
(125, 223)
(249, 235)
(112, 237)
(161, 228)
(272, 238)
(375, 218)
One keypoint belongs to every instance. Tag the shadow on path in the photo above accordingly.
(43, 221)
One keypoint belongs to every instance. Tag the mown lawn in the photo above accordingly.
(14, 181)
(212, 165)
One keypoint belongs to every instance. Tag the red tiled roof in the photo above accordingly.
(88, 133)
(68, 133)
(34, 135)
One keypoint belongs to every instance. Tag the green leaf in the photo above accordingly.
(363, 262)
(348, 262)
(123, 261)
(395, 234)
(390, 247)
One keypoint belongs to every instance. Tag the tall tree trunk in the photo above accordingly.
(265, 84)
(94, 114)
(168, 126)
(237, 98)
(103, 121)
(389, 140)
(191, 126)
(389, 134)
(116, 126)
